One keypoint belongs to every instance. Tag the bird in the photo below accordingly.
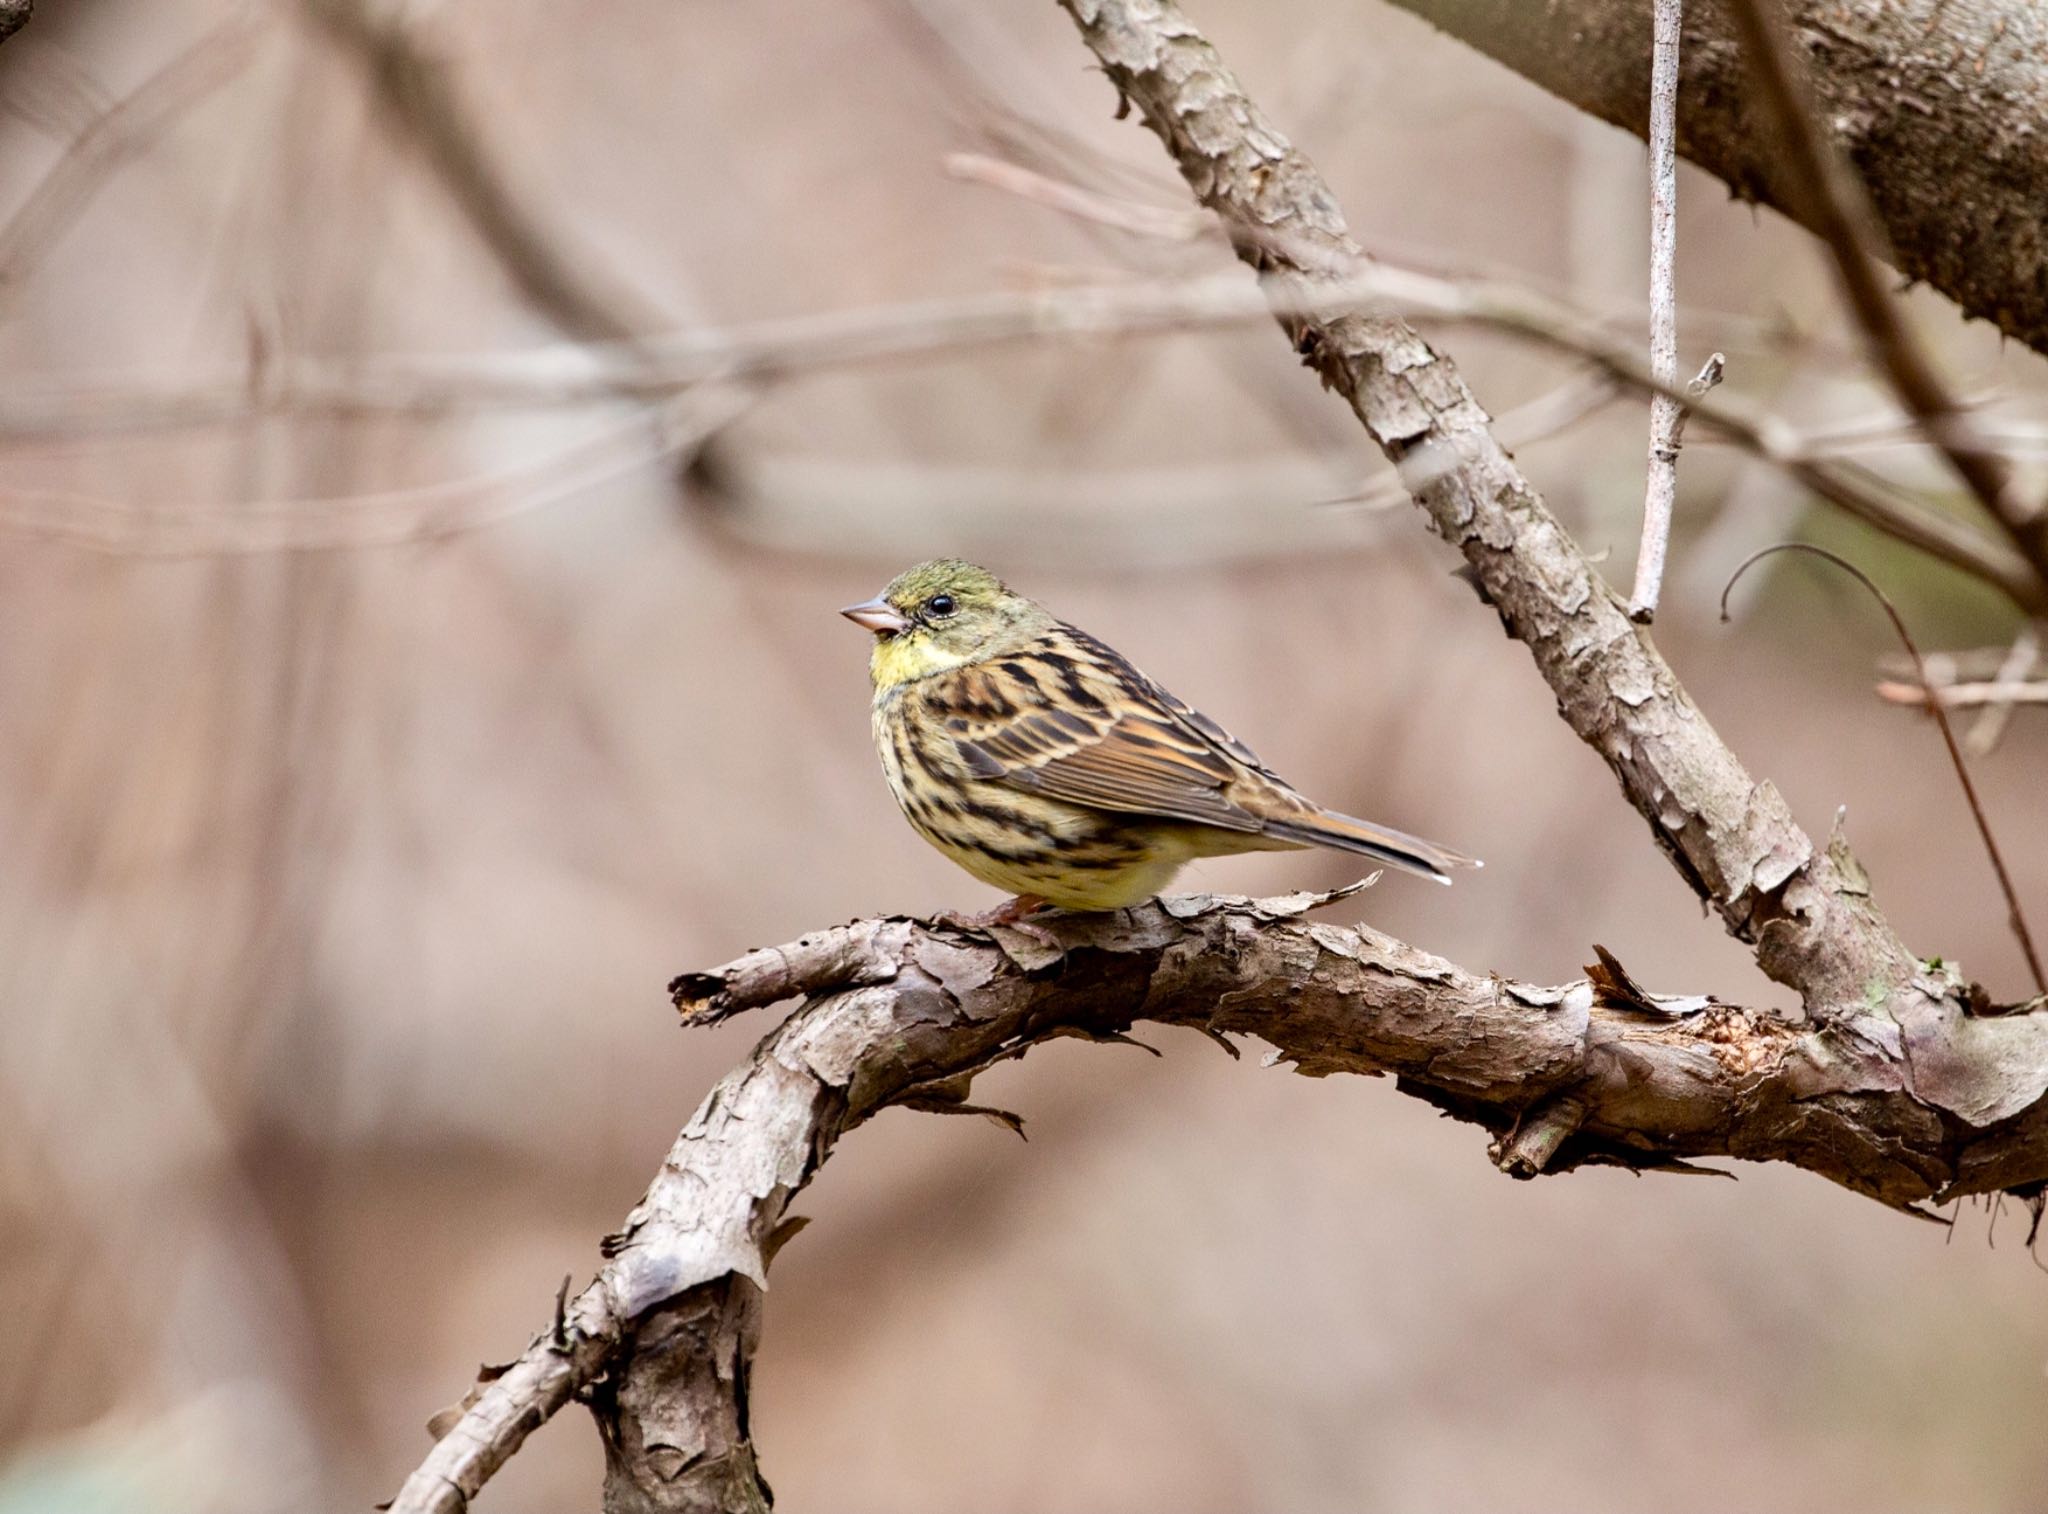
(1043, 762)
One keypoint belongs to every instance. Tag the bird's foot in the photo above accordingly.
(1010, 913)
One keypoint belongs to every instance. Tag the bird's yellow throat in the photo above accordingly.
(909, 656)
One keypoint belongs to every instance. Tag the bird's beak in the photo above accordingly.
(877, 615)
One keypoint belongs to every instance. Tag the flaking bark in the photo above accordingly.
(900, 1012)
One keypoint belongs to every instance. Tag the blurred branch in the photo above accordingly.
(791, 346)
(2021, 658)
(1942, 104)
(899, 1012)
(419, 97)
(14, 16)
(130, 125)
(1182, 515)
(1832, 201)
(1082, 204)
(391, 517)
(1964, 695)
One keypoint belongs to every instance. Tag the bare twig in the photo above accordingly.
(1955, 752)
(1660, 489)
(1840, 212)
(658, 365)
(371, 519)
(1963, 696)
(1083, 204)
(126, 127)
(2021, 658)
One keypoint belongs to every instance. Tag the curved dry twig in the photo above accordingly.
(2014, 912)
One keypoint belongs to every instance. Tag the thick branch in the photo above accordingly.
(904, 1013)
(1939, 103)
(1732, 837)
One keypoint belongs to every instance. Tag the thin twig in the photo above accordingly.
(1948, 735)
(380, 518)
(1660, 488)
(2021, 658)
(1082, 204)
(1988, 693)
(1840, 211)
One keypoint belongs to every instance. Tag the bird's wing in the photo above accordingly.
(1067, 717)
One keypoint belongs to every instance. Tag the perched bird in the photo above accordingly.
(1042, 762)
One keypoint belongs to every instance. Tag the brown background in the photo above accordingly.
(339, 885)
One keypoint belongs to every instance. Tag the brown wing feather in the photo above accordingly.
(1069, 718)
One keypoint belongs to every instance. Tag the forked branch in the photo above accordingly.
(898, 1012)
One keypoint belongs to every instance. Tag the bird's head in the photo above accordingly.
(943, 615)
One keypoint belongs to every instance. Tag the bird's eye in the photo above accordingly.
(940, 605)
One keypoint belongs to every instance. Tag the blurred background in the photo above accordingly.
(367, 768)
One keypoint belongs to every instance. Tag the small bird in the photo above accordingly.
(1042, 762)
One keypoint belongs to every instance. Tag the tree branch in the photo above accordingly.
(1667, 419)
(1732, 838)
(1834, 204)
(667, 364)
(1941, 102)
(1592, 1072)
(418, 98)
(118, 133)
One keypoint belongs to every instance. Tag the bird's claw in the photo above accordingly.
(1010, 914)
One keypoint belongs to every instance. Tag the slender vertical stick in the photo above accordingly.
(1666, 415)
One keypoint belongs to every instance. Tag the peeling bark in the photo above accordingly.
(1939, 103)
(1597, 1071)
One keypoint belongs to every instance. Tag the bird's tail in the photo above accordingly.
(1345, 833)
